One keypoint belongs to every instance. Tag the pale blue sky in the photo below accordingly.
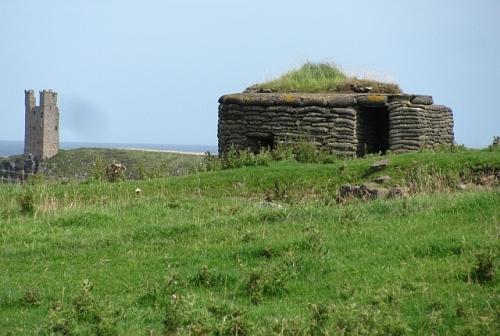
(151, 71)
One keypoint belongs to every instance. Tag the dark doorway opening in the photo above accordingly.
(372, 130)
(257, 143)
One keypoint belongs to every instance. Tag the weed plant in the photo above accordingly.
(484, 269)
(302, 151)
(26, 203)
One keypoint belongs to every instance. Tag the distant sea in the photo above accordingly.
(8, 148)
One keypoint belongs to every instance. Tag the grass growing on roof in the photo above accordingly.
(323, 77)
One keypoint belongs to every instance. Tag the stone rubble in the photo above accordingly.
(382, 179)
(379, 165)
(369, 191)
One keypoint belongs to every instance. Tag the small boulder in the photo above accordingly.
(257, 89)
(347, 192)
(422, 100)
(398, 192)
(361, 89)
(370, 192)
(382, 179)
(365, 192)
(379, 165)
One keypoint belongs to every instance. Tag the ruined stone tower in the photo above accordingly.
(41, 137)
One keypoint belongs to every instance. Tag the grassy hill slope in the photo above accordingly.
(203, 254)
(139, 163)
(82, 163)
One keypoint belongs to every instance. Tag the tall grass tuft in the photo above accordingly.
(26, 204)
(484, 269)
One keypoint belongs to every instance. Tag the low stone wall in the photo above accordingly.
(331, 121)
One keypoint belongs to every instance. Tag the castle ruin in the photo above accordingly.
(41, 137)
(351, 124)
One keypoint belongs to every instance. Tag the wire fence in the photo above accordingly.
(20, 176)
(13, 176)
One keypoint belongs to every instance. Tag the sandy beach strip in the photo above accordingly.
(163, 151)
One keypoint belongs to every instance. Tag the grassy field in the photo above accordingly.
(83, 163)
(256, 251)
(323, 77)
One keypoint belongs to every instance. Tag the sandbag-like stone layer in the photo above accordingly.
(332, 122)
(327, 127)
(415, 126)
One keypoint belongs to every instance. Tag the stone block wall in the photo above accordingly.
(32, 126)
(345, 124)
(48, 103)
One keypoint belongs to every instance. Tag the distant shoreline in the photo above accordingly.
(163, 151)
(16, 147)
(135, 149)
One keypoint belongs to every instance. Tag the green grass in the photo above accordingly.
(202, 254)
(82, 163)
(321, 78)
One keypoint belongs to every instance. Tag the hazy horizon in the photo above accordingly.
(152, 72)
(119, 142)
(16, 147)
